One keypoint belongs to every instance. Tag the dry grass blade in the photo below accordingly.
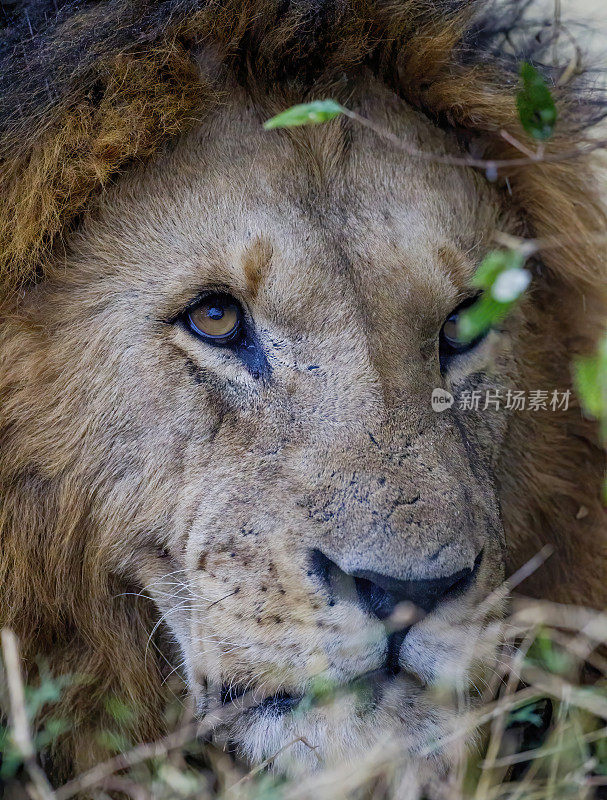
(270, 760)
(566, 762)
(40, 788)
(161, 748)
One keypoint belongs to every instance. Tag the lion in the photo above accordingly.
(219, 345)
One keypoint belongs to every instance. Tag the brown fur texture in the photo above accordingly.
(77, 108)
(102, 89)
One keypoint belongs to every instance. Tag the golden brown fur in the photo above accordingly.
(98, 432)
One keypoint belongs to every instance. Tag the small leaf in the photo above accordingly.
(588, 384)
(113, 740)
(503, 280)
(118, 709)
(305, 114)
(526, 715)
(11, 762)
(494, 263)
(601, 756)
(548, 656)
(47, 692)
(590, 378)
(50, 733)
(536, 108)
(322, 690)
(477, 319)
(590, 375)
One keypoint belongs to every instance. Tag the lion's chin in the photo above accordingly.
(376, 721)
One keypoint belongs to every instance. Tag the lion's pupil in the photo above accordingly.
(215, 318)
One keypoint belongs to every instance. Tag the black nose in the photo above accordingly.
(380, 594)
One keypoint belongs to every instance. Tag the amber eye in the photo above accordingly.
(216, 319)
(449, 343)
(449, 332)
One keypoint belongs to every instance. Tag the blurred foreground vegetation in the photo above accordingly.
(538, 727)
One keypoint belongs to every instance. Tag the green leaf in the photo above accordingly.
(493, 264)
(320, 691)
(587, 381)
(536, 108)
(113, 740)
(10, 758)
(527, 715)
(548, 656)
(305, 114)
(50, 733)
(503, 280)
(478, 318)
(120, 711)
(11, 761)
(600, 754)
(590, 375)
(590, 379)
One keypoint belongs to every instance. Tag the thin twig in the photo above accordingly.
(500, 722)
(491, 165)
(40, 789)
(519, 145)
(266, 763)
(557, 27)
(499, 594)
(543, 752)
(98, 774)
(116, 783)
(474, 719)
(528, 247)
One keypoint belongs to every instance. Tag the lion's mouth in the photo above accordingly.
(277, 704)
(373, 681)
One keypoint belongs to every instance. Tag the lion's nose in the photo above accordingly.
(380, 594)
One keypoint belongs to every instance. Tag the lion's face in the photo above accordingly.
(286, 494)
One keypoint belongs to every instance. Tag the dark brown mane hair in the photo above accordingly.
(89, 88)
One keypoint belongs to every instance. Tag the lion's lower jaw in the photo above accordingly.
(404, 729)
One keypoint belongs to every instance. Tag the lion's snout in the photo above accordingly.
(383, 596)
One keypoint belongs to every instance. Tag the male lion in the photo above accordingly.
(219, 346)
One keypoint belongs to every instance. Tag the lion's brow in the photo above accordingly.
(256, 260)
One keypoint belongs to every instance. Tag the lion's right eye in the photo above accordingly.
(450, 345)
(216, 319)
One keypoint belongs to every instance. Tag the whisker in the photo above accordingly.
(221, 599)
(161, 619)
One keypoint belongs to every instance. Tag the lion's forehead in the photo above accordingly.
(332, 215)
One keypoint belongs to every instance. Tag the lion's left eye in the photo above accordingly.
(449, 343)
(217, 319)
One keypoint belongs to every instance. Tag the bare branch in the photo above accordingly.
(40, 788)
(270, 760)
(519, 145)
(491, 165)
(135, 791)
